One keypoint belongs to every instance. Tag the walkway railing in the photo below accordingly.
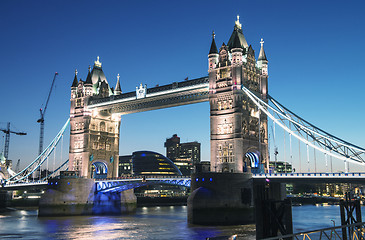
(268, 175)
(137, 177)
(354, 231)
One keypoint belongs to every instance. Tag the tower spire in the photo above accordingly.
(262, 55)
(237, 22)
(88, 78)
(117, 90)
(97, 63)
(213, 46)
(74, 83)
(237, 30)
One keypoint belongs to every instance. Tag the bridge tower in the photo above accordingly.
(94, 135)
(239, 141)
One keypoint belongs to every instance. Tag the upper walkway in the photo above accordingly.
(129, 182)
(175, 94)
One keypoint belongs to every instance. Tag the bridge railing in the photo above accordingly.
(14, 184)
(131, 177)
(355, 231)
(309, 175)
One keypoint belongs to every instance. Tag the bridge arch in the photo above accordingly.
(253, 161)
(99, 169)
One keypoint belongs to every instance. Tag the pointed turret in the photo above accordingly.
(75, 82)
(250, 51)
(262, 60)
(88, 86)
(237, 32)
(236, 42)
(213, 54)
(88, 78)
(117, 90)
(262, 55)
(213, 46)
(237, 50)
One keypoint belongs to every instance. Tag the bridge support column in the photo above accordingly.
(221, 199)
(5, 198)
(272, 212)
(114, 203)
(77, 196)
(67, 197)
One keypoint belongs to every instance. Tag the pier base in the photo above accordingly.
(114, 203)
(221, 199)
(77, 196)
(67, 197)
(5, 198)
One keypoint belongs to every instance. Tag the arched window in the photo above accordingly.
(102, 127)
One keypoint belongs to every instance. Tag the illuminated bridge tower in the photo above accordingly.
(94, 135)
(238, 138)
(239, 141)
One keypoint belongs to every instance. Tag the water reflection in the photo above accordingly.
(147, 223)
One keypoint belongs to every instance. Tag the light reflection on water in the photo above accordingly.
(147, 223)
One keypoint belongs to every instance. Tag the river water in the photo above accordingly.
(147, 223)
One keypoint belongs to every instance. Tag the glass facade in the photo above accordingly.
(152, 163)
(185, 155)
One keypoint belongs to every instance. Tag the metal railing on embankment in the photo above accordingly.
(354, 231)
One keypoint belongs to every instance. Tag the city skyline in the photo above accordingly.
(314, 63)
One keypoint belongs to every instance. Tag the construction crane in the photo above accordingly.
(41, 120)
(7, 132)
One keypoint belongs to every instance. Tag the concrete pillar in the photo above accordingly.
(77, 196)
(5, 198)
(221, 199)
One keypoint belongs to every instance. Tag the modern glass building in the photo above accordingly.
(185, 155)
(147, 163)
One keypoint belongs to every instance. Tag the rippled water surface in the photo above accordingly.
(147, 223)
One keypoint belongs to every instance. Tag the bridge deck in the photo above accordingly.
(312, 177)
(175, 94)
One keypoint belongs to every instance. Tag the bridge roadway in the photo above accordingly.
(175, 94)
(312, 177)
(129, 182)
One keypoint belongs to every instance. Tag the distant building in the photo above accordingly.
(125, 165)
(147, 163)
(203, 166)
(280, 167)
(184, 155)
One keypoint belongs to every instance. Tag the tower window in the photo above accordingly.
(102, 127)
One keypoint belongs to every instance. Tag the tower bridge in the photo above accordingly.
(241, 110)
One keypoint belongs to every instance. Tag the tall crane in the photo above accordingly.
(7, 132)
(43, 113)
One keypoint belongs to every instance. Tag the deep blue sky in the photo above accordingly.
(315, 51)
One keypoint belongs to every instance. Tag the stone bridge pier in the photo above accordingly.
(229, 198)
(78, 196)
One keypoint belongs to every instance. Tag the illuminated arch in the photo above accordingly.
(254, 159)
(99, 170)
(253, 162)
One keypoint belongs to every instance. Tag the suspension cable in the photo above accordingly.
(36, 164)
(264, 107)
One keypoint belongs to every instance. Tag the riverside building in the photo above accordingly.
(185, 155)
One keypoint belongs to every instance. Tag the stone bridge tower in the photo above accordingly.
(239, 141)
(94, 135)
